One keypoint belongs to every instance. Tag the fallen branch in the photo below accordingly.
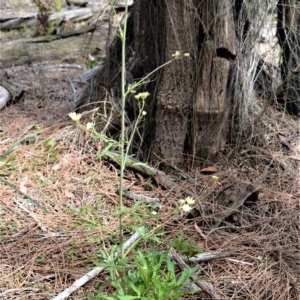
(33, 290)
(50, 276)
(93, 273)
(207, 256)
(132, 163)
(239, 261)
(162, 178)
(58, 66)
(30, 19)
(136, 197)
(202, 284)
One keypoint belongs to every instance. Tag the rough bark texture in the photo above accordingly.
(149, 44)
(288, 33)
(21, 41)
(175, 90)
(188, 111)
(217, 52)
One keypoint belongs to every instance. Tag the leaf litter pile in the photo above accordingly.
(59, 207)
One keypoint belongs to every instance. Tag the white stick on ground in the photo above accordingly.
(4, 96)
(239, 261)
(94, 272)
(32, 215)
(207, 256)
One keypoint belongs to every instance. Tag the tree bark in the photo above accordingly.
(198, 102)
(188, 111)
(216, 57)
(172, 101)
(288, 33)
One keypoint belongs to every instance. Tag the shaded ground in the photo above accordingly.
(44, 249)
(49, 95)
(47, 244)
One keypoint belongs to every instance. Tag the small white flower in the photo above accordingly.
(74, 116)
(186, 208)
(144, 113)
(181, 202)
(176, 55)
(215, 178)
(89, 125)
(154, 213)
(190, 201)
(142, 96)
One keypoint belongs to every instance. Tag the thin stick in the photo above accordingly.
(202, 284)
(13, 187)
(136, 197)
(94, 272)
(23, 231)
(32, 215)
(239, 261)
(34, 290)
(207, 256)
(122, 33)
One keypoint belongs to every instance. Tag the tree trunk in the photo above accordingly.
(171, 106)
(288, 33)
(213, 86)
(189, 108)
(201, 100)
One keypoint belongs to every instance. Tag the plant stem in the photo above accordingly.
(122, 137)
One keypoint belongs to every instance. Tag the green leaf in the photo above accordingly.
(105, 151)
(185, 275)
(15, 144)
(50, 143)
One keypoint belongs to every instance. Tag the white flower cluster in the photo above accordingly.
(186, 204)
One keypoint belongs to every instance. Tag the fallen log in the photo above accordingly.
(11, 21)
(50, 47)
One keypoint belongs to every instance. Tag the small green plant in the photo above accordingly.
(40, 259)
(71, 253)
(151, 276)
(50, 143)
(87, 216)
(185, 246)
(91, 63)
(52, 152)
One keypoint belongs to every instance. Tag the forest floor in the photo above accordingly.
(48, 243)
(59, 203)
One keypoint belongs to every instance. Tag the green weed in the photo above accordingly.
(185, 246)
(144, 274)
(150, 276)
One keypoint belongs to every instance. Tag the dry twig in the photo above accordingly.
(202, 284)
(93, 273)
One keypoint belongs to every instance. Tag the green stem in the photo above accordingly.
(141, 108)
(13, 187)
(122, 138)
(135, 85)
